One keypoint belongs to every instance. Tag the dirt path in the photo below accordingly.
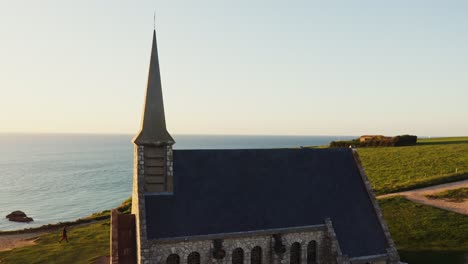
(419, 196)
(8, 242)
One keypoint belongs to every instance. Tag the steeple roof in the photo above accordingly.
(153, 127)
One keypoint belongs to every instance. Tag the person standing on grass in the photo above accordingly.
(64, 235)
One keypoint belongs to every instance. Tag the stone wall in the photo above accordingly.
(169, 169)
(138, 197)
(114, 241)
(138, 204)
(123, 246)
(160, 250)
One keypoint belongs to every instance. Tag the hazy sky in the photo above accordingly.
(237, 67)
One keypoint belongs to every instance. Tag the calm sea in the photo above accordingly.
(56, 178)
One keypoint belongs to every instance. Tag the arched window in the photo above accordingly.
(312, 252)
(256, 255)
(295, 257)
(173, 259)
(238, 256)
(193, 258)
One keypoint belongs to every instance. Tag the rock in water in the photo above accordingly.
(19, 216)
(16, 214)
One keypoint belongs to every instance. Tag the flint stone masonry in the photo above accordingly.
(139, 192)
(160, 250)
(138, 203)
(114, 250)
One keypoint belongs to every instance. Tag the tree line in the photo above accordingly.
(398, 141)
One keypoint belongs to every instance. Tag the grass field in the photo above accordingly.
(430, 162)
(456, 195)
(86, 244)
(442, 141)
(424, 234)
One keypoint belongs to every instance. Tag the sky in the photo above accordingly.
(239, 67)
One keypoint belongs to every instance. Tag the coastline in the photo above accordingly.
(50, 227)
(12, 239)
(123, 208)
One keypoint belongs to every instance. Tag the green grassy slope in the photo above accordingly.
(424, 234)
(432, 161)
(86, 244)
(442, 141)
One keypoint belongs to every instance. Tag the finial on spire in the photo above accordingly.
(154, 19)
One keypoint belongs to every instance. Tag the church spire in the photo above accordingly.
(153, 127)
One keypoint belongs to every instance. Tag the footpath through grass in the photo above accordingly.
(430, 162)
(455, 195)
(424, 234)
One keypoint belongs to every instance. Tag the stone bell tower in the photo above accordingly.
(153, 139)
(153, 153)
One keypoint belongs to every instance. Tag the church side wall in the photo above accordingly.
(159, 251)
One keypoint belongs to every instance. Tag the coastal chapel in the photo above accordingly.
(242, 206)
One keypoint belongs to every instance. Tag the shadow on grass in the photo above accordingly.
(431, 257)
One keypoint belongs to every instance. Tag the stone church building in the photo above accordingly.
(258, 206)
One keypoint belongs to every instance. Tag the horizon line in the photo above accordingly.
(197, 134)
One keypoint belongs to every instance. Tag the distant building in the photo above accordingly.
(246, 205)
(372, 137)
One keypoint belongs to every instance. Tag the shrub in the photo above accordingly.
(344, 144)
(405, 140)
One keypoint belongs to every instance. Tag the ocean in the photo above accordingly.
(62, 177)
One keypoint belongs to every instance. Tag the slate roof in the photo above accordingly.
(224, 191)
(153, 126)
